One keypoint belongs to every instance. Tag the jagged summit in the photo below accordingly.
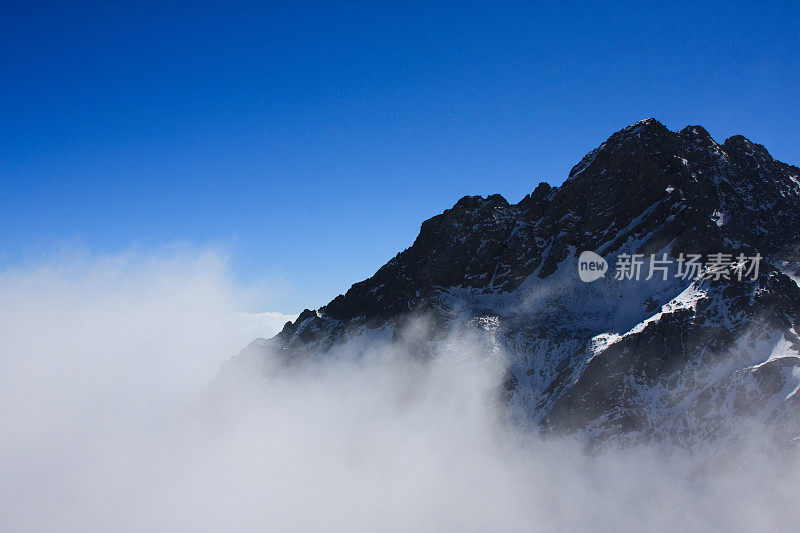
(645, 126)
(471, 202)
(655, 181)
(606, 357)
(698, 132)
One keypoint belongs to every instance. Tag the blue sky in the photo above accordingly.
(311, 140)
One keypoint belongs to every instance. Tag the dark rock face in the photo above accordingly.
(641, 360)
(487, 243)
(455, 248)
(687, 345)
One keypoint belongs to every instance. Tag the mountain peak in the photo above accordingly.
(697, 132)
(644, 123)
(471, 202)
(589, 356)
(741, 144)
(644, 184)
(627, 144)
(644, 127)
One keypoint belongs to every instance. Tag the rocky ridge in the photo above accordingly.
(661, 359)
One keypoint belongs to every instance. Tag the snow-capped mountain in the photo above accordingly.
(670, 358)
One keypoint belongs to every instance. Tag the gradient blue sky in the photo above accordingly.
(311, 140)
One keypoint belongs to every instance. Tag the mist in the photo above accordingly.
(109, 424)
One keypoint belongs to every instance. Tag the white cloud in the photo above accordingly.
(105, 427)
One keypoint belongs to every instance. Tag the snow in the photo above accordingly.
(795, 375)
(718, 217)
(603, 341)
(783, 348)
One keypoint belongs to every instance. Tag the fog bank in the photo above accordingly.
(103, 361)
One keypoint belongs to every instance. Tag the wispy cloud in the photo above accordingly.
(104, 360)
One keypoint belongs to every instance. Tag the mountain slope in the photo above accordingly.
(665, 358)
